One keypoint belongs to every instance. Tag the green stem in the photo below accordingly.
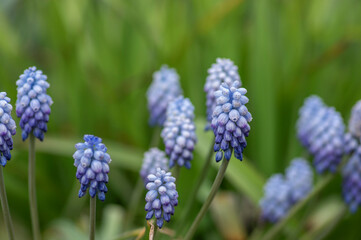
(194, 193)
(176, 172)
(93, 202)
(155, 137)
(32, 190)
(134, 203)
(272, 233)
(5, 206)
(217, 182)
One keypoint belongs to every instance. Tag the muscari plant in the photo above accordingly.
(7, 130)
(33, 109)
(319, 128)
(92, 162)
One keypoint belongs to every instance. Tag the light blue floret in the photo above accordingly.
(299, 176)
(152, 160)
(33, 104)
(7, 129)
(179, 134)
(321, 130)
(230, 121)
(223, 71)
(161, 197)
(164, 88)
(92, 162)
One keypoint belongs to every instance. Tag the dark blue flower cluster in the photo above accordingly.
(179, 132)
(230, 121)
(281, 193)
(7, 129)
(164, 88)
(33, 104)
(152, 160)
(92, 162)
(321, 131)
(223, 71)
(162, 196)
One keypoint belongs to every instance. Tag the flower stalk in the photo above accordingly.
(216, 184)
(32, 190)
(5, 207)
(92, 218)
(194, 193)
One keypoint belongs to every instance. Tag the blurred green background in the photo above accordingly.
(99, 56)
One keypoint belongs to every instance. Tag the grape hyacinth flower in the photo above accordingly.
(179, 132)
(7, 129)
(351, 143)
(153, 159)
(92, 162)
(321, 131)
(351, 187)
(162, 196)
(354, 124)
(164, 88)
(33, 104)
(299, 176)
(230, 121)
(276, 201)
(223, 71)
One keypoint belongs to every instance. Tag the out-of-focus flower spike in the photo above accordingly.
(164, 88)
(152, 160)
(223, 71)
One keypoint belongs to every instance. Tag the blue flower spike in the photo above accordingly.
(351, 186)
(276, 201)
(161, 197)
(223, 71)
(230, 121)
(299, 175)
(7, 129)
(179, 134)
(152, 160)
(164, 88)
(322, 132)
(33, 104)
(92, 162)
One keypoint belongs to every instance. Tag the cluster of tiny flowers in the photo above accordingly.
(275, 203)
(230, 121)
(162, 196)
(351, 186)
(281, 193)
(92, 162)
(7, 129)
(179, 132)
(351, 143)
(33, 104)
(164, 88)
(354, 124)
(223, 71)
(153, 159)
(299, 175)
(321, 131)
